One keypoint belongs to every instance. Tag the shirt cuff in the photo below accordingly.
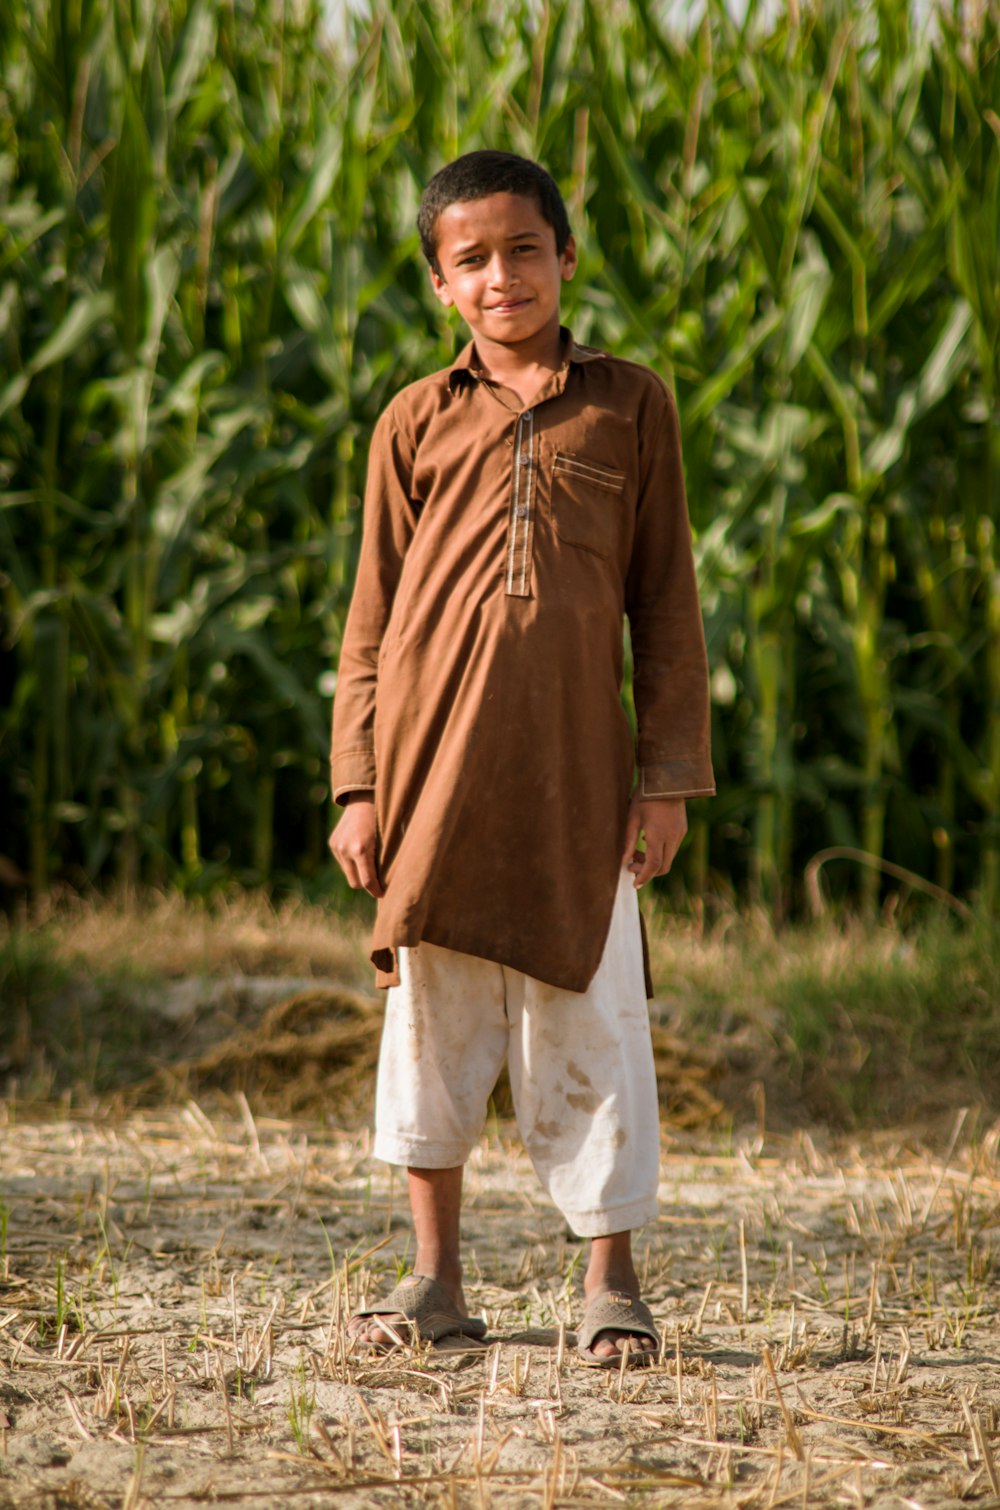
(342, 794)
(352, 771)
(676, 779)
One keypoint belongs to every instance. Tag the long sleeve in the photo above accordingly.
(661, 599)
(389, 520)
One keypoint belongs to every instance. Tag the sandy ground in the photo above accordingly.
(173, 1288)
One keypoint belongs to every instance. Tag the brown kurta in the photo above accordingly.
(479, 688)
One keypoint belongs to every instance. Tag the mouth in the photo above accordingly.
(507, 306)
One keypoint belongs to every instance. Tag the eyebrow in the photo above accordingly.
(473, 246)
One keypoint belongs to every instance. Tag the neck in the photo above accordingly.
(524, 366)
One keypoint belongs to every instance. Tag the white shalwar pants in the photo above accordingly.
(580, 1065)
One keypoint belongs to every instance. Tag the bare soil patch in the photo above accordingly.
(173, 1287)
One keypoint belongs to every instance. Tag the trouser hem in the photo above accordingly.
(418, 1153)
(613, 1219)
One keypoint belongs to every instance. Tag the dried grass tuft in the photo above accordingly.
(314, 1052)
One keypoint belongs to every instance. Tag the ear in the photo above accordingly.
(568, 260)
(441, 289)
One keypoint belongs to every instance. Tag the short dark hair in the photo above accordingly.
(479, 174)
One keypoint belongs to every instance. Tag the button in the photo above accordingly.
(526, 414)
(525, 458)
(521, 512)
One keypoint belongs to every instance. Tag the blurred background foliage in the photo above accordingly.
(210, 285)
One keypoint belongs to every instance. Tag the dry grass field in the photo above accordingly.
(173, 1287)
(188, 1213)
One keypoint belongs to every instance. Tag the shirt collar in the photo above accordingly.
(465, 367)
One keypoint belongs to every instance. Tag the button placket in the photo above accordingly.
(520, 521)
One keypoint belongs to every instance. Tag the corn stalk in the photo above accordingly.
(209, 285)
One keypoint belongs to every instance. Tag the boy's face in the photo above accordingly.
(500, 269)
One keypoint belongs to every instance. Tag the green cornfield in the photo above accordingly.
(210, 284)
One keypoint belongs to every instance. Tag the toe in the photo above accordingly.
(610, 1344)
(372, 1331)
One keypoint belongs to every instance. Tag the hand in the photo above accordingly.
(663, 822)
(352, 844)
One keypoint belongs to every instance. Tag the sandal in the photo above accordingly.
(614, 1311)
(430, 1313)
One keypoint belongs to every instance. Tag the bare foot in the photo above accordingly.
(611, 1269)
(389, 1329)
(435, 1201)
(610, 1342)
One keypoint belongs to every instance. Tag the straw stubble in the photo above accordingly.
(240, 1366)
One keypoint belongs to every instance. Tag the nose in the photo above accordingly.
(501, 271)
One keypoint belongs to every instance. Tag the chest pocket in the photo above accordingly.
(587, 503)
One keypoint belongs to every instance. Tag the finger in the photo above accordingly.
(650, 867)
(661, 849)
(670, 847)
(350, 870)
(362, 854)
(369, 875)
(665, 827)
(631, 836)
(669, 856)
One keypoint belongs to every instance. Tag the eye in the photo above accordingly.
(468, 260)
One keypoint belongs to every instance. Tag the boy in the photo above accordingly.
(518, 504)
